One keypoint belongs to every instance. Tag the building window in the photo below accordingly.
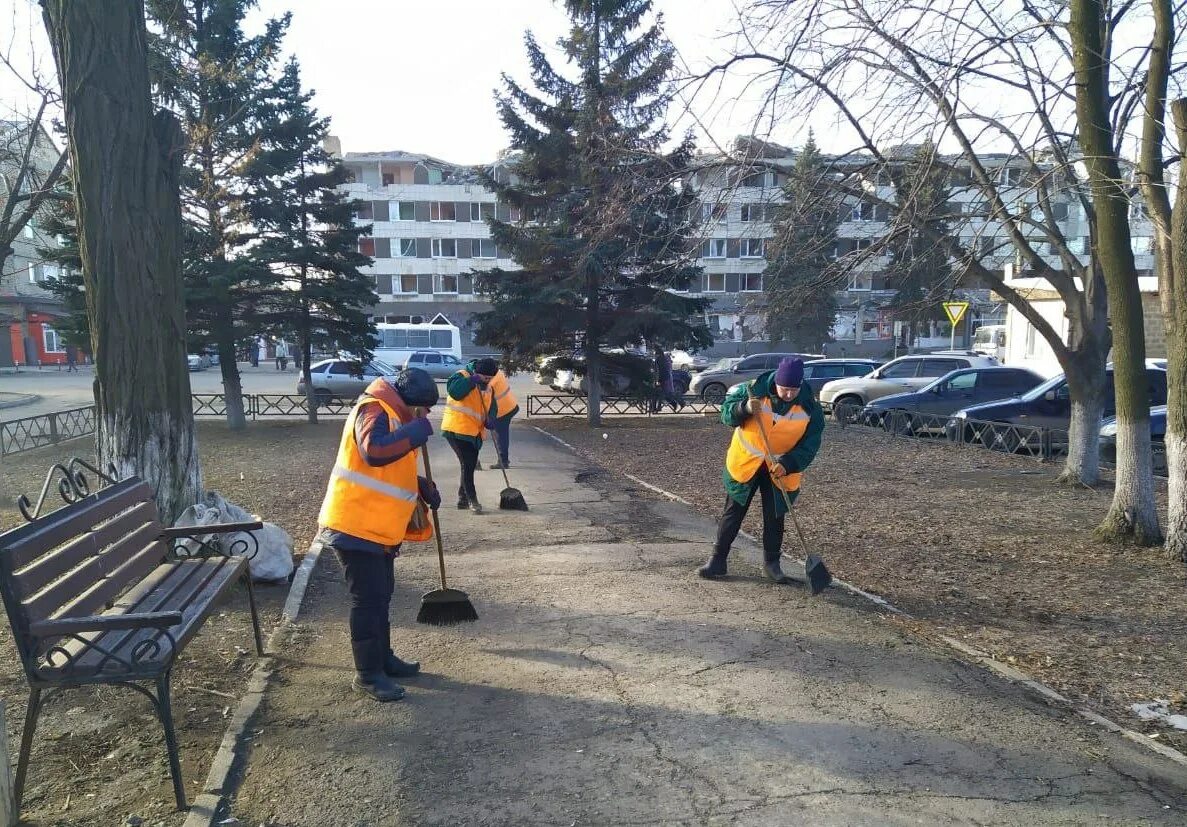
(442, 211)
(860, 281)
(445, 284)
(752, 247)
(404, 284)
(712, 212)
(863, 211)
(367, 245)
(759, 179)
(515, 214)
(754, 212)
(52, 343)
(1079, 245)
(485, 248)
(752, 282)
(475, 211)
(389, 178)
(403, 248)
(403, 211)
(364, 212)
(1031, 340)
(713, 248)
(444, 248)
(1010, 176)
(714, 282)
(1142, 245)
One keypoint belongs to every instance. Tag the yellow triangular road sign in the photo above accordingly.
(955, 311)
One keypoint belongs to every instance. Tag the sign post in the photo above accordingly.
(955, 312)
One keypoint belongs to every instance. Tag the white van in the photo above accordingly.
(990, 340)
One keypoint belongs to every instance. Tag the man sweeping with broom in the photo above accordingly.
(777, 429)
(372, 505)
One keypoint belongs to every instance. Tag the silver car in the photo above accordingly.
(343, 379)
(437, 365)
(712, 384)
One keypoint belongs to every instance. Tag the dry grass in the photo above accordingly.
(976, 545)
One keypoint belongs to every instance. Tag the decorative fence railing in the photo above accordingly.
(569, 405)
(49, 429)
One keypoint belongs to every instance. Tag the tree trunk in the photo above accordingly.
(304, 336)
(1133, 514)
(229, 367)
(126, 163)
(1085, 377)
(1176, 362)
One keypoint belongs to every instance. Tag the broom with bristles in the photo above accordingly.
(443, 606)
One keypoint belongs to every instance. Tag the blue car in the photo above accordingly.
(929, 408)
(1108, 439)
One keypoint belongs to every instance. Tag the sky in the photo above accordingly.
(421, 75)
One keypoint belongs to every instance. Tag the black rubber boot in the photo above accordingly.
(370, 678)
(476, 506)
(715, 568)
(393, 666)
(771, 568)
(463, 502)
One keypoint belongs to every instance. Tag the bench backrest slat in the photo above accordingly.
(21, 546)
(101, 578)
(52, 565)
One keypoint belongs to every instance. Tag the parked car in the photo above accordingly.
(906, 373)
(438, 365)
(197, 361)
(820, 372)
(342, 378)
(1108, 439)
(1047, 406)
(928, 408)
(713, 383)
(683, 360)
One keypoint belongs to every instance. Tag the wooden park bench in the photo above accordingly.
(97, 594)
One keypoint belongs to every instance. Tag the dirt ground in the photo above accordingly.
(99, 754)
(980, 546)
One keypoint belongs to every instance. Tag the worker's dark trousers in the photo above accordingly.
(467, 455)
(772, 525)
(370, 579)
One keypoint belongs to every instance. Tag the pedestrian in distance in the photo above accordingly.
(794, 423)
(282, 355)
(71, 359)
(469, 413)
(506, 407)
(375, 502)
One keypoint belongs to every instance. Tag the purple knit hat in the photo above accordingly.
(790, 373)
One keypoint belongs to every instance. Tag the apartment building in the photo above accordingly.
(429, 232)
(27, 309)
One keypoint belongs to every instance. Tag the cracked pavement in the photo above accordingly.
(606, 684)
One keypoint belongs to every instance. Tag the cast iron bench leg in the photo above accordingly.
(255, 617)
(165, 710)
(22, 764)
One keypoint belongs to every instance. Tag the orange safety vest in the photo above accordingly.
(374, 503)
(504, 398)
(467, 417)
(747, 451)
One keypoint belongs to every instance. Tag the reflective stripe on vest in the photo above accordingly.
(503, 395)
(393, 491)
(467, 417)
(784, 431)
(464, 411)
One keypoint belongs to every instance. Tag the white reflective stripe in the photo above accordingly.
(501, 395)
(789, 416)
(344, 473)
(462, 409)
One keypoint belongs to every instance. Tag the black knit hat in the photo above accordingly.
(416, 387)
(487, 367)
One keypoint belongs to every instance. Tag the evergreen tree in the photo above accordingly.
(218, 81)
(801, 276)
(60, 222)
(306, 235)
(604, 238)
(919, 270)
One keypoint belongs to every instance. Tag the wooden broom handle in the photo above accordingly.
(424, 453)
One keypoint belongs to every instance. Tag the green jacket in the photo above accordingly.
(735, 409)
(458, 387)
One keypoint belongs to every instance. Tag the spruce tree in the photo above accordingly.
(217, 80)
(604, 238)
(60, 222)
(306, 235)
(919, 271)
(801, 277)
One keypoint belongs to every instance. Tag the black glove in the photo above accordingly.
(429, 493)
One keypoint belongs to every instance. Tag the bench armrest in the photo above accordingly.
(104, 623)
(219, 528)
